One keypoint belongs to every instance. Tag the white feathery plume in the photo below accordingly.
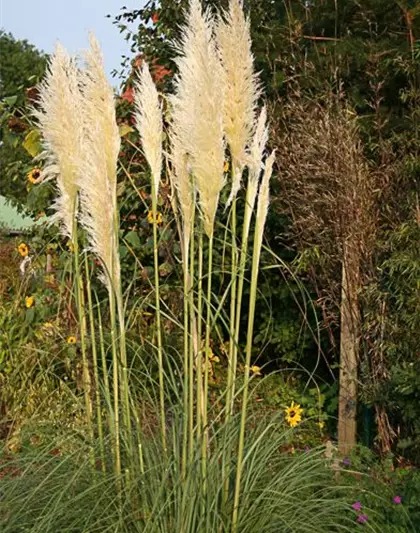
(258, 144)
(59, 118)
(255, 164)
(198, 110)
(241, 86)
(181, 179)
(98, 166)
(263, 202)
(149, 122)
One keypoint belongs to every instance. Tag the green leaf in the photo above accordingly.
(10, 100)
(32, 143)
(123, 252)
(11, 139)
(133, 239)
(30, 315)
(125, 129)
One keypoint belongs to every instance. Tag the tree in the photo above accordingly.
(21, 65)
(21, 68)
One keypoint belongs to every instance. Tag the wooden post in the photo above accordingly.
(349, 349)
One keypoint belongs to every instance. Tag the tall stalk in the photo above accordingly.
(105, 376)
(80, 303)
(124, 383)
(186, 358)
(115, 383)
(232, 339)
(249, 207)
(158, 320)
(250, 330)
(233, 309)
(199, 380)
(95, 365)
(192, 340)
(263, 200)
(206, 361)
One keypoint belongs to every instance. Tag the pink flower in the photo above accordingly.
(357, 506)
(362, 518)
(397, 499)
(128, 95)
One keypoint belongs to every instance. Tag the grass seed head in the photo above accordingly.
(149, 122)
(98, 165)
(59, 117)
(197, 109)
(240, 83)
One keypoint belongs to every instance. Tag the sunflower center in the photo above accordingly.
(292, 413)
(36, 174)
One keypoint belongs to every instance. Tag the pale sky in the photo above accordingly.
(44, 22)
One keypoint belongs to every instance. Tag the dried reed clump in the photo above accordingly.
(241, 86)
(327, 185)
(59, 116)
(197, 114)
(149, 122)
(98, 164)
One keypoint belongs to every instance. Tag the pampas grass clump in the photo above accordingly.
(205, 468)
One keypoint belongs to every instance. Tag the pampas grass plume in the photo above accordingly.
(255, 164)
(149, 122)
(98, 166)
(264, 200)
(258, 144)
(240, 84)
(181, 180)
(198, 110)
(59, 118)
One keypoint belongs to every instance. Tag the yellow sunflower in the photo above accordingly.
(29, 301)
(34, 175)
(293, 414)
(159, 218)
(71, 339)
(23, 249)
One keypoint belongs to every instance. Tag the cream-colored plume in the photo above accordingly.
(197, 110)
(258, 144)
(149, 122)
(241, 86)
(255, 164)
(59, 119)
(263, 202)
(98, 166)
(181, 179)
